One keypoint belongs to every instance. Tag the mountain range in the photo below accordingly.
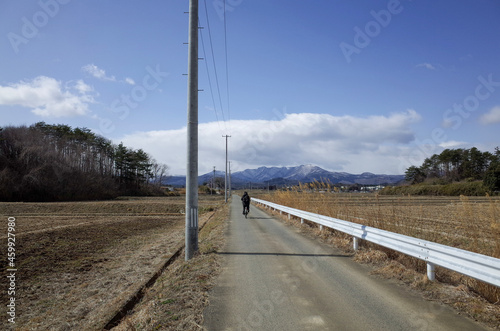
(291, 176)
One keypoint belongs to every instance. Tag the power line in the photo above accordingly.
(214, 64)
(210, 80)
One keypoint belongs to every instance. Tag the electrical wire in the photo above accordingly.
(209, 79)
(214, 65)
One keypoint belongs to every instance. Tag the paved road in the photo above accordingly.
(274, 278)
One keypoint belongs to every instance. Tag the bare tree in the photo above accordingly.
(160, 173)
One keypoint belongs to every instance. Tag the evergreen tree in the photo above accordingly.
(55, 162)
(456, 165)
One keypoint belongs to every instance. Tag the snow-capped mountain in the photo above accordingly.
(294, 175)
(263, 174)
(309, 173)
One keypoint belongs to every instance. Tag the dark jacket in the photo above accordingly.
(245, 199)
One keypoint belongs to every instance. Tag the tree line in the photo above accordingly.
(46, 162)
(454, 165)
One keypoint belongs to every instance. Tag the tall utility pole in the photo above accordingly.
(192, 135)
(225, 179)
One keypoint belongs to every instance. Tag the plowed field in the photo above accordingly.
(77, 262)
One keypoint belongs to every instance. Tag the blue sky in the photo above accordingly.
(350, 86)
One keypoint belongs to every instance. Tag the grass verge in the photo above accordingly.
(177, 300)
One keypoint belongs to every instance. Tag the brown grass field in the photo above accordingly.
(78, 262)
(470, 223)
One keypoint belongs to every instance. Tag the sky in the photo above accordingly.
(350, 86)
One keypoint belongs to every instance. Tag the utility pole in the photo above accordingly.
(230, 179)
(213, 182)
(192, 135)
(225, 179)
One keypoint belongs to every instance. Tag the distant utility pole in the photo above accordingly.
(192, 135)
(230, 179)
(225, 179)
(213, 182)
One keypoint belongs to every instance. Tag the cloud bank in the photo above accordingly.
(46, 97)
(338, 143)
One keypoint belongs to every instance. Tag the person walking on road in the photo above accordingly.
(245, 199)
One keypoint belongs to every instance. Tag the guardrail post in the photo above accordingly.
(355, 243)
(321, 227)
(281, 212)
(289, 216)
(301, 221)
(431, 271)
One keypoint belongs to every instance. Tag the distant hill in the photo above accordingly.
(291, 176)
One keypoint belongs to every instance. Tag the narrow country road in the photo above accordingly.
(274, 278)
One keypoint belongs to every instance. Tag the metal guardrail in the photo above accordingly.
(478, 266)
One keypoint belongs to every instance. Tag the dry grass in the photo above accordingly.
(464, 222)
(78, 262)
(179, 296)
(471, 223)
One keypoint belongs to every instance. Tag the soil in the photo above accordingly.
(77, 263)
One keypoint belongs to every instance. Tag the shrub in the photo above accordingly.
(476, 188)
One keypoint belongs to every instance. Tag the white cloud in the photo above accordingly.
(79, 86)
(46, 97)
(453, 144)
(97, 72)
(339, 143)
(491, 117)
(426, 65)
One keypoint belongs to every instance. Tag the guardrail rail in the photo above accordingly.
(478, 266)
